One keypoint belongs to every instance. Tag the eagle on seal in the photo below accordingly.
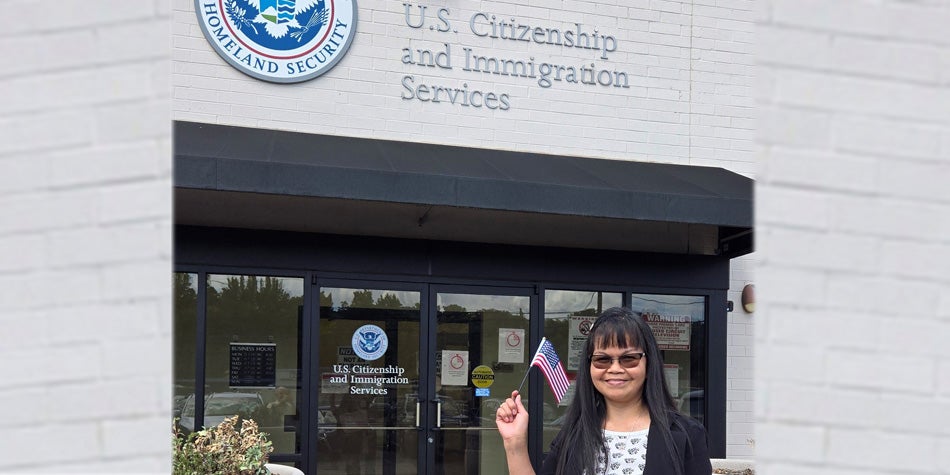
(280, 16)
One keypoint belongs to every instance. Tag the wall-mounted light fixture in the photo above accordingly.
(748, 298)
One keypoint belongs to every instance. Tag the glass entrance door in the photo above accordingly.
(480, 353)
(409, 376)
(369, 419)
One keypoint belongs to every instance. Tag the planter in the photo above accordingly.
(733, 466)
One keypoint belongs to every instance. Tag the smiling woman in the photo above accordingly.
(622, 407)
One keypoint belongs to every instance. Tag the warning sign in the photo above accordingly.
(482, 376)
(579, 328)
(671, 331)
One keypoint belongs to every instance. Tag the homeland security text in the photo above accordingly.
(237, 50)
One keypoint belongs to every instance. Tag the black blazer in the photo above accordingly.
(689, 437)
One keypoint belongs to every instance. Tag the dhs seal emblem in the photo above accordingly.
(279, 40)
(370, 342)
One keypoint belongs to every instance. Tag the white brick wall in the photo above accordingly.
(690, 69)
(739, 364)
(853, 215)
(852, 370)
(84, 193)
(85, 246)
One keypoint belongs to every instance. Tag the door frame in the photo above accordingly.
(319, 281)
(204, 250)
(527, 290)
(427, 341)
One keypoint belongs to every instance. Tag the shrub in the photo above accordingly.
(221, 449)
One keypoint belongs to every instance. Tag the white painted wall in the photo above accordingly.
(852, 372)
(85, 237)
(690, 67)
(689, 102)
(853, 211)
(740, 434)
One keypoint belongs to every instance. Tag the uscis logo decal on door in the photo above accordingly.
(370, 342)
(279, 40)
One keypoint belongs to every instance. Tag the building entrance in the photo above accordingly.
(410, 375)
(302, 351)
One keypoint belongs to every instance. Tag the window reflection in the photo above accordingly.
(678, 323)
(221, 405)
(184, 322)
(364, 432)
(567, 316)
(340, 299)
(489, 333)
(252, 363)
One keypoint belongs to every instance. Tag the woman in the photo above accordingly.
(621, 407)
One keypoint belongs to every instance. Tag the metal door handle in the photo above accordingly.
(438, 413)
(417, 415)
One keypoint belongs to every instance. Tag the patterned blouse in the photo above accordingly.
(626, 453)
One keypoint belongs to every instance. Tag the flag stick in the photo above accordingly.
(531, 365)
(524, 378)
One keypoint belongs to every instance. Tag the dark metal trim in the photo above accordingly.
(309, 346)
(200, 348)
(536, 449)
(441, 261)
(735, 242)
(426, 392)
(716, 348)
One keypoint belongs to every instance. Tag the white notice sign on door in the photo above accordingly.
(510, 345)
(454, 367)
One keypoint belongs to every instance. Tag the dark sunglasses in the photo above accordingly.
(629, 360)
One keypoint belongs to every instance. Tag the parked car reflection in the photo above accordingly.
(454, 412)
(693, 403)
(219, 406)
(391, 410)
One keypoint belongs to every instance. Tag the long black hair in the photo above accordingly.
(582, 435)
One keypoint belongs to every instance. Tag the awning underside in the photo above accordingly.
(257, 178)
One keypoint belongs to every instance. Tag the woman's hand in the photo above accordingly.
(512, 420)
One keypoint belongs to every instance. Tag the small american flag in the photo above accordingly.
(546, 359)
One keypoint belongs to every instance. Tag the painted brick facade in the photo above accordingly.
(852, 101)
(85, 226)
(689, 67)
(853, 218)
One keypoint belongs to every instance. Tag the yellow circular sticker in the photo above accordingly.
(482, 376)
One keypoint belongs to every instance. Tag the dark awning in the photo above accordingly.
(222, 172)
